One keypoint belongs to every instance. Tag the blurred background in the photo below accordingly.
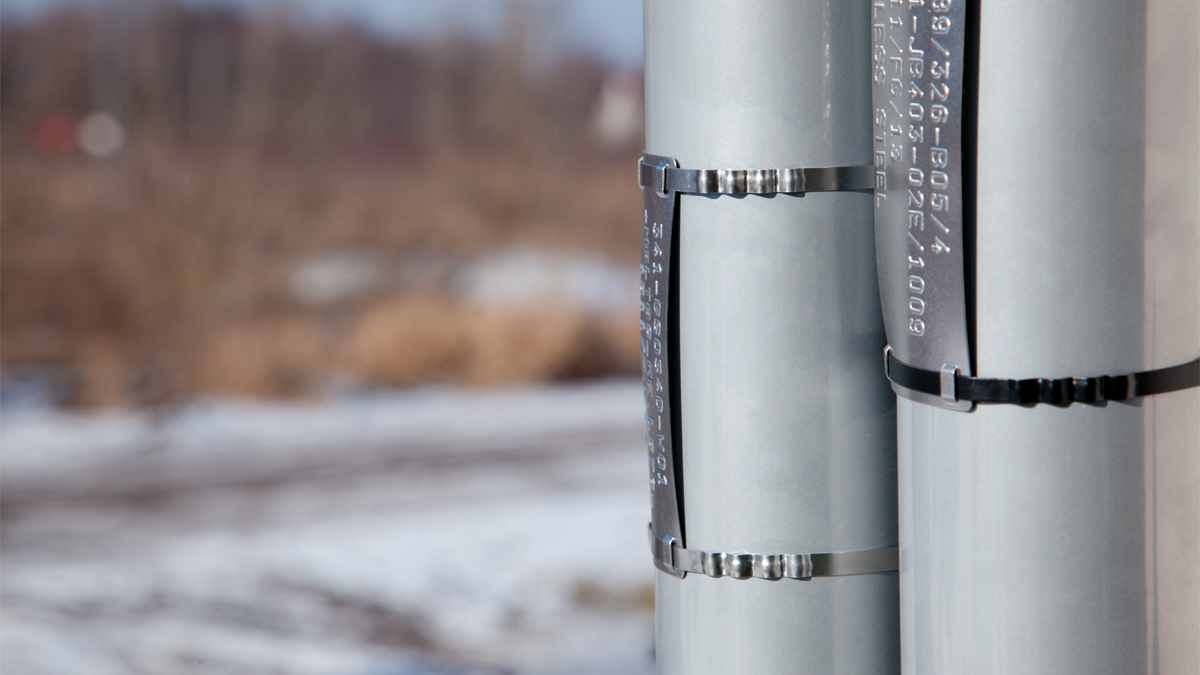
(318, 337)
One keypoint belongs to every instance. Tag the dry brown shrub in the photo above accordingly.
(416, 340)
(104, 374)
(254, 146)
(405, 342)
(554, 342)
(267, 357)
(525, 345)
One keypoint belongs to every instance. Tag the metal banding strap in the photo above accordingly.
(662, 181)
(665, 179)
(951, 385)
(672, 558)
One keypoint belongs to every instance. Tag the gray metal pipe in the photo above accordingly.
(1028, 535)
(787, 424)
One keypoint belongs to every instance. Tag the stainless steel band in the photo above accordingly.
(952, 385)
(672, 558)
(665, 179)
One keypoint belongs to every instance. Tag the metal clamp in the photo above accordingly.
(674, 559)
(662, 181)
(665, 179)
(951, 385)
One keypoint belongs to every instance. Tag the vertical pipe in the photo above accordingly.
(787, 424)
(1024, 530)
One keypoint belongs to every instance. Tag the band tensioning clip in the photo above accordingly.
(665, 179)
(674, 559)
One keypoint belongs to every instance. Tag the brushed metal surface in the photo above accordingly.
(1024, 536)
(787, 419)
(917, 85)
(658, 228)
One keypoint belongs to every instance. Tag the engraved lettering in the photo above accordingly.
(921, 89)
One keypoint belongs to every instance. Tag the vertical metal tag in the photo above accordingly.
(658, 217)
(917, 65)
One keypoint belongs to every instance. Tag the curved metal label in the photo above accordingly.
(917, 65)
(658, 217)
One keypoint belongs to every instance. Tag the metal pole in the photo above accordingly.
(787, 436)
(1027, 533)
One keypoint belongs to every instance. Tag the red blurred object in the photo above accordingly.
(54, 135)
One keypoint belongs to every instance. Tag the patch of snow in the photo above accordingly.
(334, 275)
(395, 568)
(527, 276)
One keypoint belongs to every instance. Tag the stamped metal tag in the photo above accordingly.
(658, 220)
(917, 65)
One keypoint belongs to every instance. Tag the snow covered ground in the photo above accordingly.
(424, 532)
